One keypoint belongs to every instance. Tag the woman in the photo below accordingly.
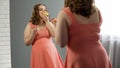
(39, 32)
(78, 28)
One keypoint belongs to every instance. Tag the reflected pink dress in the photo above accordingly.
(84, 49)
(44, 53)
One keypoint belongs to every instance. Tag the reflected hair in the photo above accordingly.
(35, 18)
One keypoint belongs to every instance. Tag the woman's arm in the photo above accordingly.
(61, 32)
(29, 34)
(51, 28)
(49, 24)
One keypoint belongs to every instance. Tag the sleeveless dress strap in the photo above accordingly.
(70, 14)
(100, 17)
(32, 25)
(73, 19)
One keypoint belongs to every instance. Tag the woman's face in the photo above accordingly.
(42, 9)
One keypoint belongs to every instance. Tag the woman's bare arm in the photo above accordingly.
(61, 32)
(51, 28)
(29, 34)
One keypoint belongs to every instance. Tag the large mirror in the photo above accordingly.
(20, 13)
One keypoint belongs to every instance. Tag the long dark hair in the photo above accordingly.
(82, 7)
(35, 18)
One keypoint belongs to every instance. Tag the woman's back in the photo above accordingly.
(84, 49)
(93, 19)
(85, 28)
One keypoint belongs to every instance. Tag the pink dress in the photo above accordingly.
(84, 49)
(44, 53)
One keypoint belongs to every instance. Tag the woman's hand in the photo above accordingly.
(45, 16)
(54, 21)
(34, 31)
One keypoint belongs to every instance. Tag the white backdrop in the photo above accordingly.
(110, 29)
(110, 12)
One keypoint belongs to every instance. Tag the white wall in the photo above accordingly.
(110, 12)
(5, 57)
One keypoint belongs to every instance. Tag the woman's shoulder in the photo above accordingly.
(62, 14)
(97, 9)
(65, 12)
(31, 25)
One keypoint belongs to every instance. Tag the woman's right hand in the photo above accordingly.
(34, 31)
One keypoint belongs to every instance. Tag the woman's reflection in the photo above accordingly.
(39, 32)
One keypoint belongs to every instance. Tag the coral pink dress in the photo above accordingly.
(44, 53)
(84, 49)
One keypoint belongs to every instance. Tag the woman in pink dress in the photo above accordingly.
(39, 32)
(78, 28)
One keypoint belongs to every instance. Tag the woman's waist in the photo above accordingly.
(84, 44)
(43, 41)
(86, 49)
(84, 41)
(42, 45)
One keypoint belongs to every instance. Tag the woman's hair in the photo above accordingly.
(82, 7)
(35, 18)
